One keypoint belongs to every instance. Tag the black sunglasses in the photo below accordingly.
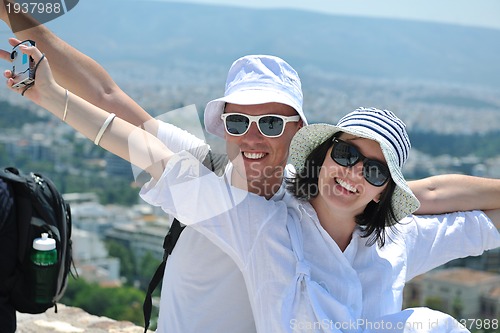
(346, 155)
(270, 125)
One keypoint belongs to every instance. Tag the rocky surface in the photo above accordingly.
(72, 320)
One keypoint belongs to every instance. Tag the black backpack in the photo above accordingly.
(39, 208)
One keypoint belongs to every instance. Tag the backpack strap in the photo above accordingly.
(6, 202)
(168, 244)
(12, 174)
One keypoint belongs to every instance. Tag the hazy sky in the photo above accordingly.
(483, 13)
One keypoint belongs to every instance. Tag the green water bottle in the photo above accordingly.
(44, 259)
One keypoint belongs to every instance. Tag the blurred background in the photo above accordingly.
(434, 63)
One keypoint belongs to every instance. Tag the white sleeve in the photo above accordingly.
(433, 240)
(177, 140)
(231, 218)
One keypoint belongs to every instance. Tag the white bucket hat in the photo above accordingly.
(378, 125)
(256, 79)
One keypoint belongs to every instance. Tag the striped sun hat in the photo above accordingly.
(379, 125)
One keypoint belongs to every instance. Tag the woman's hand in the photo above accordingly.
(44, 80)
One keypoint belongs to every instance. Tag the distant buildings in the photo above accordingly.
(141, 237)
(461, 292)
(92, 261)
(137, 228)
(90, 215)
(465, 288)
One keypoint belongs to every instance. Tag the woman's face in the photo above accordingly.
(345, 188)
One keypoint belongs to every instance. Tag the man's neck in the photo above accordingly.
(266, 187)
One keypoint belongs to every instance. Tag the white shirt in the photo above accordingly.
(312, 285)
(201, 283)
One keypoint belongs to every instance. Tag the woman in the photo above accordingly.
(351, 175)
(299, 270)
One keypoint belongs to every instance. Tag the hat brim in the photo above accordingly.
(309, 137)
(214, 108)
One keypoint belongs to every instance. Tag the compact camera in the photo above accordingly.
(22, 66)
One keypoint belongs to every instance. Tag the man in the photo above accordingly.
(202, 283)
(203, 290)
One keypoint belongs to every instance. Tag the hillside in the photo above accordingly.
(437, 77)
(153, 33)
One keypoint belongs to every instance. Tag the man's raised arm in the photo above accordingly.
(453, 192)
(75, 71)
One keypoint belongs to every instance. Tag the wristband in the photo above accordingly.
(66, 106)
(104, 127)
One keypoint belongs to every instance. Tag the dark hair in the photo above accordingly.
(376, 216)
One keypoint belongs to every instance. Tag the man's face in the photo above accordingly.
(258, 160)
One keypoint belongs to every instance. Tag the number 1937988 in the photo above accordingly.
(34, 7)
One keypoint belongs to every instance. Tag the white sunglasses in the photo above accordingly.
(269, 125)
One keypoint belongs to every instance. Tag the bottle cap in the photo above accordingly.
(45, 243)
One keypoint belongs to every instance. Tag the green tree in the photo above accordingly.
(457, 307)
(435, 303)
(122, 303)
(147, 268)
(75, 286)
(126, 257)
(15, 117)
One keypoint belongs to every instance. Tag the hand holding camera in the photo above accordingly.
(28, 63)
(23, 66)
